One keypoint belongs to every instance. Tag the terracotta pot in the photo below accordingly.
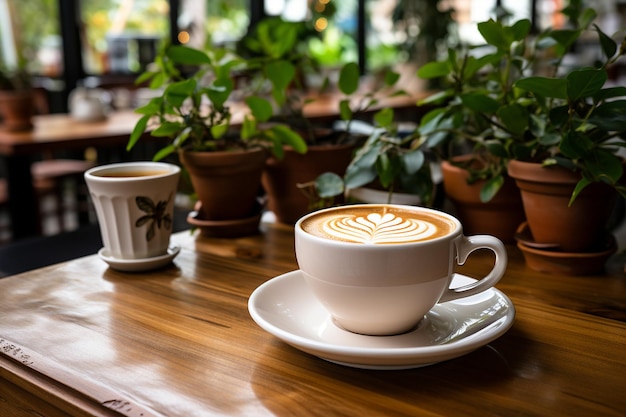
(281, 177)
(546, 192)
(499, 217)
(16, 110)
(227, 183)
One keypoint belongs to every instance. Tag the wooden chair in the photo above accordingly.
(51, 180)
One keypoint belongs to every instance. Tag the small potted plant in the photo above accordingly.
(279, 57)
(194, 114)
(17, 105)
(391, 161)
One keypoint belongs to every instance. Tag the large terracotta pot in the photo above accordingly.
(16, 110)
(546, 191)
(227, 183)
(499, 217)
(281, 177)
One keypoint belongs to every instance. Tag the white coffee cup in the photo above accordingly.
(134, 203)
(379, 268)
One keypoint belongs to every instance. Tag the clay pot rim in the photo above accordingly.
(536, 172)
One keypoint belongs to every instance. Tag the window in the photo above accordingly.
(121, 36)
(29, 32)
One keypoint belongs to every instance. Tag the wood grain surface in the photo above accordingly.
(81, 339)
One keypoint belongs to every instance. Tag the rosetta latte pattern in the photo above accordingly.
(377, 228)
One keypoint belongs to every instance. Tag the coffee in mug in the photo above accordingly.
(379, 268)
(134, 203)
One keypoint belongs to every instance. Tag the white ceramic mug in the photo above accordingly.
(134, 203)
(379, 268)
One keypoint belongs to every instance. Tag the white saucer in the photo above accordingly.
(137, 265)
(284, 307)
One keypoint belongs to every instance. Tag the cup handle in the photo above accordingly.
(468, 244)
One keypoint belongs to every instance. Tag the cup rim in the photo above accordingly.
(93, 173)
(458, 230)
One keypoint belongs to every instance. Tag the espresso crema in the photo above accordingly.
(378, 225)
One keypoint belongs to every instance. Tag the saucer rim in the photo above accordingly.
(392, 357)
(129, 265)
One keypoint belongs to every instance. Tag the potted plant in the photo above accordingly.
(391, 160)
(278, 55)
(567, 121)
(17, 105)
(579, 128)
(194, 114)
(470, 123)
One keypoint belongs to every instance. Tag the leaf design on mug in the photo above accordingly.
(378, 228)
(155, 215)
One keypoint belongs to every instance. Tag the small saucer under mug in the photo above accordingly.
(286, 308)
(139, 265)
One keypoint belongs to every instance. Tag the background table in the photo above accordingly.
(61, 132)
(81, 339)
(54, 132)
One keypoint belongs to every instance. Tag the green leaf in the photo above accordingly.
(413, 161)
(585, 82)
(157, 81)
(288, 137)
(514, 117)
(604, 166)
(176, 93)
(145, 76)
(491, 188)
(151, 108)
(480, 103)
(436, 97)
(164, 152)
(329, 185)
(575, 145)
(521, 29)
(385, 169)
(167, 129)
(609, 46)
(434, 69)
(565, 38)
(608, 93)
(494, 34)
(391, 78)
(496, 148)
(187, 56)
(261, 108)
(610, 116)
(248, 128)
(473, 65)
(138, 130)
(345, 112)
(384, 117)
(280, 73)
(217, 131)
(544, 86)
(219, 91)
(584, 182)
(349, 78)
(357, 176)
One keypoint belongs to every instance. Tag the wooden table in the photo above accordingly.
(81, 339)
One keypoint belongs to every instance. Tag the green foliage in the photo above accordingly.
(498, 104)
(193, 109)
(394, 160)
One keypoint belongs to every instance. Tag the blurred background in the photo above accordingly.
(106, 43)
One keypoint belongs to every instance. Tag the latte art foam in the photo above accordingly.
(377, 225)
